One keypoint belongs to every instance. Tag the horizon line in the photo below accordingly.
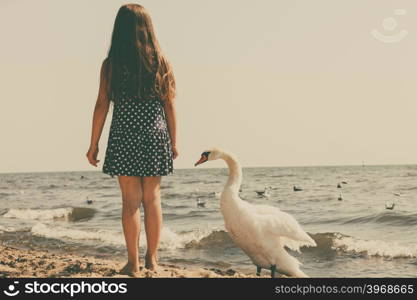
(247, 167)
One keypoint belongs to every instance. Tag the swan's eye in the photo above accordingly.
(204, 157)
(206, 154)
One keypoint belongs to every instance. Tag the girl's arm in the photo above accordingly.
(171, 115)
(99, 117)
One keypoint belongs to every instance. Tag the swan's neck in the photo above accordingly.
(235, 173)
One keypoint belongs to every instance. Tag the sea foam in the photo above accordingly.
(38, 214)
(170, 240)
(66, 213)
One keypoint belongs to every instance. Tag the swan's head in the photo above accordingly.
(211, 154)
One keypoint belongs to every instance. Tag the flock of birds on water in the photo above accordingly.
(266, 193)
(263, 232)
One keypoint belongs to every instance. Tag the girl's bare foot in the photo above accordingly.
(151, 263)
(130, 270)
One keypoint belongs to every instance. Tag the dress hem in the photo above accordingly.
(140, 175)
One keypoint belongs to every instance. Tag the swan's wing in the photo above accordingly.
(277, 222)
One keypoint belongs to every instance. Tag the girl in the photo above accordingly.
(138, 79)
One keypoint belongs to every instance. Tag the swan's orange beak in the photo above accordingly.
(202, 159)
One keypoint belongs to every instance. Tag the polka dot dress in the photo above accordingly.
(139, 142)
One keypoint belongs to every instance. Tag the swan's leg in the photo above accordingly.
(273, 270)
(258, 271)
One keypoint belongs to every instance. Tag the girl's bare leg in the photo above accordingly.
(132, 194)
(153, 218)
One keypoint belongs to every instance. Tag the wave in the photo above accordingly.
(189, 215)
(283, 175)
(386, 218)
(216, 238)
(179, 196)
(335, 242)
(409, 189)
(67, 213)
(191, 181)
(108, 237)
(4, 195)
(110, 196)
(167, 186)
(165, 205)
(98, 187)
(49, 187)
(375, 248)
(7, 229)
(409, 174)
(170, 240)
(389, 218)
(81, 213)
(331, 243)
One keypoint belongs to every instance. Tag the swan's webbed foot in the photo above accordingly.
(273, 270)
(258, 271)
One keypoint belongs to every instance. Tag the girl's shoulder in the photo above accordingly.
(106, 62)
(106, 66)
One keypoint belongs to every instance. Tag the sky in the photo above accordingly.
(278, 83)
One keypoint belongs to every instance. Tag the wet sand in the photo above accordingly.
(16, 262)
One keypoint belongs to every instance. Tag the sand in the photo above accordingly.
(16, 262)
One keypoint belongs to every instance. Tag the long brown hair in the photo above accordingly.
(134, 46)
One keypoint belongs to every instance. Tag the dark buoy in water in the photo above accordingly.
(89, 201)
(344, 182)
(201, 202)
(297, 188)
(82, 177)
(339, 186)
(340, 198)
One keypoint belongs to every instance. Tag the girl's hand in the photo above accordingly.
(92, 155)
(174, 152)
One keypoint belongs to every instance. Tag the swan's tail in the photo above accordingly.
(300, 274)
(288, 264)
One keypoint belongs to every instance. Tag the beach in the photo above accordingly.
(16, 263)
(47, 214)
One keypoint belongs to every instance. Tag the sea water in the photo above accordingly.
(356, 236)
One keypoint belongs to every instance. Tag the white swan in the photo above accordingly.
(261, 231)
